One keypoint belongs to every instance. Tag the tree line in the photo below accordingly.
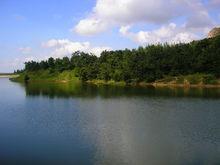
(142, 64)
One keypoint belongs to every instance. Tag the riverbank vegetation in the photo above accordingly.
(197, 62)
(47, 75)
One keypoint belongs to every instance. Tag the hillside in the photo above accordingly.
(214, 32)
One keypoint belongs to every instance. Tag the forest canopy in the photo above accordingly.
(143, 64)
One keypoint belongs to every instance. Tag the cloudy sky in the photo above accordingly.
(38, 29)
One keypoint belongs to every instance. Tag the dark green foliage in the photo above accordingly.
(143, 64)
(18, 71)
(209, 79)
(26, 78)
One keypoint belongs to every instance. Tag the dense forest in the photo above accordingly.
(145, 64)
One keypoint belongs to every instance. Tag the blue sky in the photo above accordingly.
(38, 29)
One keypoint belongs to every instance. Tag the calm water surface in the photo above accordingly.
(82, 124)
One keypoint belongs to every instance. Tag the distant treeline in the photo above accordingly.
(2, 74)
(143, 64)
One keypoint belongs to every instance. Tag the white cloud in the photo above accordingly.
(53, 48)
(65, 47)
(90, 26)
(25, 50)
(98, 50)
(124, 13)
(129, 11)
(169, 33)
(107, 13)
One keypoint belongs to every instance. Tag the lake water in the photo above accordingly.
(84, 124)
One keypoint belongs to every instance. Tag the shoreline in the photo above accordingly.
(160, 85)
(122, 83)
(154, 84)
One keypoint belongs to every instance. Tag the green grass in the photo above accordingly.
(167, 79)
(110, 82)
(47, 75)
(51, 76)
(201, 79)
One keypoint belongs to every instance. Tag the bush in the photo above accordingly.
(209, 79)
(194, 79)
(26, 78)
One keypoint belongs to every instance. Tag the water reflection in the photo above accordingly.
(66, 90)
(54, 123)
(152, 131)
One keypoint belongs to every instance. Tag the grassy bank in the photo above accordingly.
(110, 82)
(47, 75)
(195, 80)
